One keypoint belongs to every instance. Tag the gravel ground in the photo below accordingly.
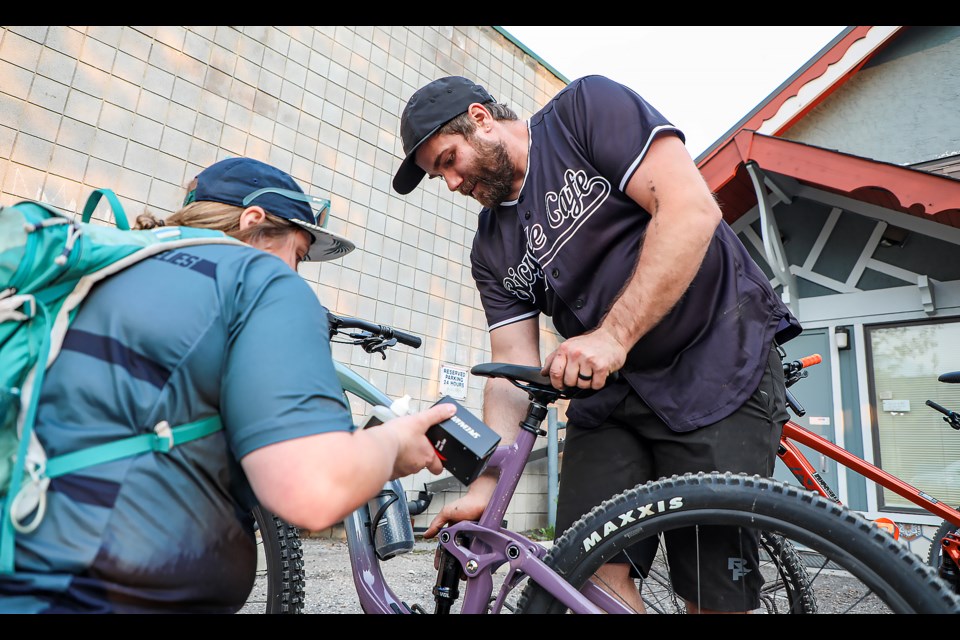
(329, 582)
(330, 588)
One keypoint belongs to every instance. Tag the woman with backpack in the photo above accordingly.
(228, 330)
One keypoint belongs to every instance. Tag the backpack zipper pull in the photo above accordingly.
(72, 236)
(49, 222)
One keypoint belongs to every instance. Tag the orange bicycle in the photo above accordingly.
(944, 552)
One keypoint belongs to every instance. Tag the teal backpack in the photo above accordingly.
(48, 264)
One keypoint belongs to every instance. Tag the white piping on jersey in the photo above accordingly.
(579, 185)
(524, 316)
(526, 172)
(633, 166)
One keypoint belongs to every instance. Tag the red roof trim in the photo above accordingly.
(916, 191)
(814, 71)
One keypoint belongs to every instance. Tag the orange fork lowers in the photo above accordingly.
(886, 524)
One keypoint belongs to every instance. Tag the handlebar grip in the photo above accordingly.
(943, 410)
(810, 360)
(345, 322)
(793, 404)
(407, 338)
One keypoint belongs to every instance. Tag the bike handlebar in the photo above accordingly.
(382, 330)
(943, 410)
(792, 373)
(790, 368)
(811, 360)
(951, 417)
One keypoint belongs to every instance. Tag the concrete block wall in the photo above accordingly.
(142, 109)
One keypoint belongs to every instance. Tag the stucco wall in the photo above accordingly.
(900, 108)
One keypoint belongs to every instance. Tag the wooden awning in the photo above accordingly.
(912, 191)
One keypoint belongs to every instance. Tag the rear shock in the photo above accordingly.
(446, 591)
(949, 569)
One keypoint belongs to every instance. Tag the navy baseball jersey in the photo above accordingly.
(570, 242)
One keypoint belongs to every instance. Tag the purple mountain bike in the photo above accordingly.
(807, 543)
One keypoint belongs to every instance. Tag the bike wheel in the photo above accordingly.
(280, 577)
(861, 566)
(786, 587)
(936, 549)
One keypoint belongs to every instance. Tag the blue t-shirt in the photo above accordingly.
(190, 333)
(569, 243)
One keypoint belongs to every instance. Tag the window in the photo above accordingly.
(912, 440)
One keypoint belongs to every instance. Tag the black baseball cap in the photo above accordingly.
(244, 182)
(429, 108)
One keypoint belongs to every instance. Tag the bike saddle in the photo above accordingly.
(516, 373)
(953, 376)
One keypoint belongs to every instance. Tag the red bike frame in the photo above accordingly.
(810, 479)
(805, 473)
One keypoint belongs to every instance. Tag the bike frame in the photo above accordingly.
(480, 548)
(810, 479)
(490, 546)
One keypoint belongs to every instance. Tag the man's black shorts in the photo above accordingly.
(634, 446)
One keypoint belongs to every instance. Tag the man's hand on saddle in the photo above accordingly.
(585, 361)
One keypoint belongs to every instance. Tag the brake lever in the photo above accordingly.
(795, 377)
(380, 347)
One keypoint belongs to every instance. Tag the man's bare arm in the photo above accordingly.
(503, 404)
(684, 217)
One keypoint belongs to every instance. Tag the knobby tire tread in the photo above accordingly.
(902, 580)
(792, 572)
(283, 552)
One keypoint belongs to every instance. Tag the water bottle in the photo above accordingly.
(390, 524)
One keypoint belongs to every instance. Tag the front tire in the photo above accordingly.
(842, 551)
(281, 579)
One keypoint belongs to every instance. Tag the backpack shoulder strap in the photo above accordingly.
(162, 440)
(30, 502)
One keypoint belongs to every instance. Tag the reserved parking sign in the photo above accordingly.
(453, 381)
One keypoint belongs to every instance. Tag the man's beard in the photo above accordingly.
(493, 169)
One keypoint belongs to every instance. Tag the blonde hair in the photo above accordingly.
(205, 214)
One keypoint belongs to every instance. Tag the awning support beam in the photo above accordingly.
(772, 246)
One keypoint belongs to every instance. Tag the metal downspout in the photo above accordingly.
(552, 465)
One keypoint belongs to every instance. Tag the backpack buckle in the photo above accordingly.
(30, 499)
(164, 440)
(13, 307)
